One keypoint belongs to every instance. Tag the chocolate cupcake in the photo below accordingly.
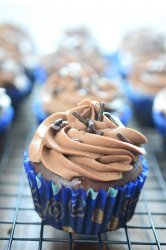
(85, 170)
(75, 82)
(145, 82)
(16, 44)
(144, 51)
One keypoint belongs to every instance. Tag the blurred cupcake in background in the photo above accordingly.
(6, 111)
(17, 45)
(75, 82)
(13, 79)
(77, 44)
(146, 52)
(159, 113)
(143, 44)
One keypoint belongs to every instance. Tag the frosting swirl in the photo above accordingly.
(93, 146)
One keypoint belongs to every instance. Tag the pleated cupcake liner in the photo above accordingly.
(142, 104)
(84, 212)
(125, 115)
(6, 119)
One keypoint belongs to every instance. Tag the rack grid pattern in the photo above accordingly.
(21, 227)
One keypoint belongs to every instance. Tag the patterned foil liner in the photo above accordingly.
(6, 119)
(84, 212)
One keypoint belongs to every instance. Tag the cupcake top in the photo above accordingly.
(76, 45)
(144, 43)
(149, 77)
(73, 83)
(159, 104)
(85, 141)
(16, 44)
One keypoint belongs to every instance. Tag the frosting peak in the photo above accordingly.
(86, 141)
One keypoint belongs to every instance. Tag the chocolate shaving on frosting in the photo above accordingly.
(73, 152)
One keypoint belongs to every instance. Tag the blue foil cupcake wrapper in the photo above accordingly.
(84, 212)
(142, 104)
(6, 119)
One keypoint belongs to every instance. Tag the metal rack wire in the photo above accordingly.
(21, 228)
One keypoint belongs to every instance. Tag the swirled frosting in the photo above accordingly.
(100, 148)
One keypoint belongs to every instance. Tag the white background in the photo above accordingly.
(108, 19)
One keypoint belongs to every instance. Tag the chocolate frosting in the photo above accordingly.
(149, 76)
(73, 83)
(14, 42)
(98, 148)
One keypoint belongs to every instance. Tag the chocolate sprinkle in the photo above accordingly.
(101, 110)
(107, 114)
(56, 128)
(58, 122)
(80, 118)
(63, 124)
(89, 123)
(123, 138)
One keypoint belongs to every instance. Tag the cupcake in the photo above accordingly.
(159, 113)
(6, 111)
(142, 44)
(16, 44)
(144, 52)
(75, 82)
(13, 79)
(78, 45)
(85, 170)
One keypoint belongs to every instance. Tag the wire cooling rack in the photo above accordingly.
(21, 228)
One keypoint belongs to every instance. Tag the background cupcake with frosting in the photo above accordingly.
(75, 82)
(146, 51)
(16, 45)
(85, 170)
